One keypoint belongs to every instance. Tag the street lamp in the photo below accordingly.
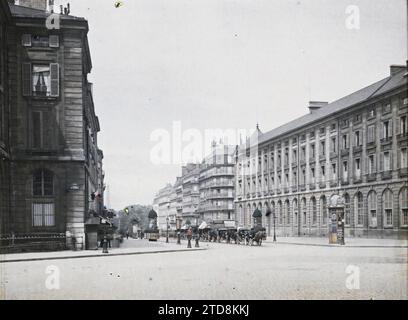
(167, 235)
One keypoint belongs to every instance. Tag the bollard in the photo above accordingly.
(197, 245)
(105, 246)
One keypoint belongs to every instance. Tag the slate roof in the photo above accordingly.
(376, 89)
(25, 12)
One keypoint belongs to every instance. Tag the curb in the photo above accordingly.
(102, 255)
(340, 246)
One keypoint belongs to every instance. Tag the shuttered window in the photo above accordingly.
(26, 40)
(371, 134)
(42, 130)
(372, 209)
(404, 206)
(43, 183)
(40, 80)
(54, 41)
(43, 215)
(387, 203)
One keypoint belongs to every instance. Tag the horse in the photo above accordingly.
(258, 238)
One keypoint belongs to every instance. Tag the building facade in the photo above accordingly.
(56, 176)
(191, 193)
(5, 24)
(216, 185)
(355, 147)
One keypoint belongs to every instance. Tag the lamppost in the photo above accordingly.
(167, 235)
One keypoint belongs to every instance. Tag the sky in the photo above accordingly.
(223, 64)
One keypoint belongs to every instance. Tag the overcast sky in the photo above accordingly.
(223, 64)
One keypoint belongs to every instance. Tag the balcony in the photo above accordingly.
(345, 152)
(302, 187)
(334, 183)
(371, 145)
(312, 160)
(322, 184)
(286, 190)
(279, 191)
(385, 175)
(386, 141)
(333, 155)
(371, 177)
(312, 186)
(322, 157)
(403, 172)
(357, 149)
(357, 180)
(294, 189)
(402, 137)
(345, 182)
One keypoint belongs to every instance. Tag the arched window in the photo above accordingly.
(43, 183)
(241, 215)
(387, 203)
(43, 207)
(314, 210)
(372, 208)
(304, 211)
(347, 209)
(323, 209)
(287, 212)
(279, 212)
(404, 207)
(358, 208)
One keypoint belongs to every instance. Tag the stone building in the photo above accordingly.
(355, 147)
(5, 24)
(165, 206)
(191, 194)
(216, 185)
(56, 176)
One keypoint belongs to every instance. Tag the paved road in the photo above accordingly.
(221, 272)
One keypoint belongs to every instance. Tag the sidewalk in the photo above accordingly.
(126, 250)
(350, 242)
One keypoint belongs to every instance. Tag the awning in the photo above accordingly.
(203, 225)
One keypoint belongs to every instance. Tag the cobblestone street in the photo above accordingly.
(273, 271)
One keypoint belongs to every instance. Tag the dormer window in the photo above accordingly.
(40, 41)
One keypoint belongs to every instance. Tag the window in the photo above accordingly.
(345, 170)
(372, 209)
(333, 127)
(294, 182)
(404, 207)
(357, 138)
(387, 202)
(280, 212)
(288, 213)
(312, 173)
(347, 209)
(322, 131)
(371, 113)
(371, 164)
(334, 171)
(323, 209)
(404, 159)
(333, 147)
(40, 80)
(303, 176)
(387, 129)
(303, 153)
(323, 173)
(387, 161)
(357, 118)
(358, 208)
(41, 41)
(371, 134)
(294, 156)
(345, 141)
(304, 210)
(403, 125)
(314, 210)
(43, 183)
(43, 215)
(387, 108)
(322, 148)
(312, 151)
(42, 135)
(357, 168)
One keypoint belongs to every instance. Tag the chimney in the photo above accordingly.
(316, 105)
(35, 4)
(394, 69)
(51, 5)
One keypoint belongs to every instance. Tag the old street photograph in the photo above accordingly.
(203, 150)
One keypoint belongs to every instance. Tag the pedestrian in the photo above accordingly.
(127, 235)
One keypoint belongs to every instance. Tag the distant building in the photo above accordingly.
(56, 176)
(355, 147)
(216, 185)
